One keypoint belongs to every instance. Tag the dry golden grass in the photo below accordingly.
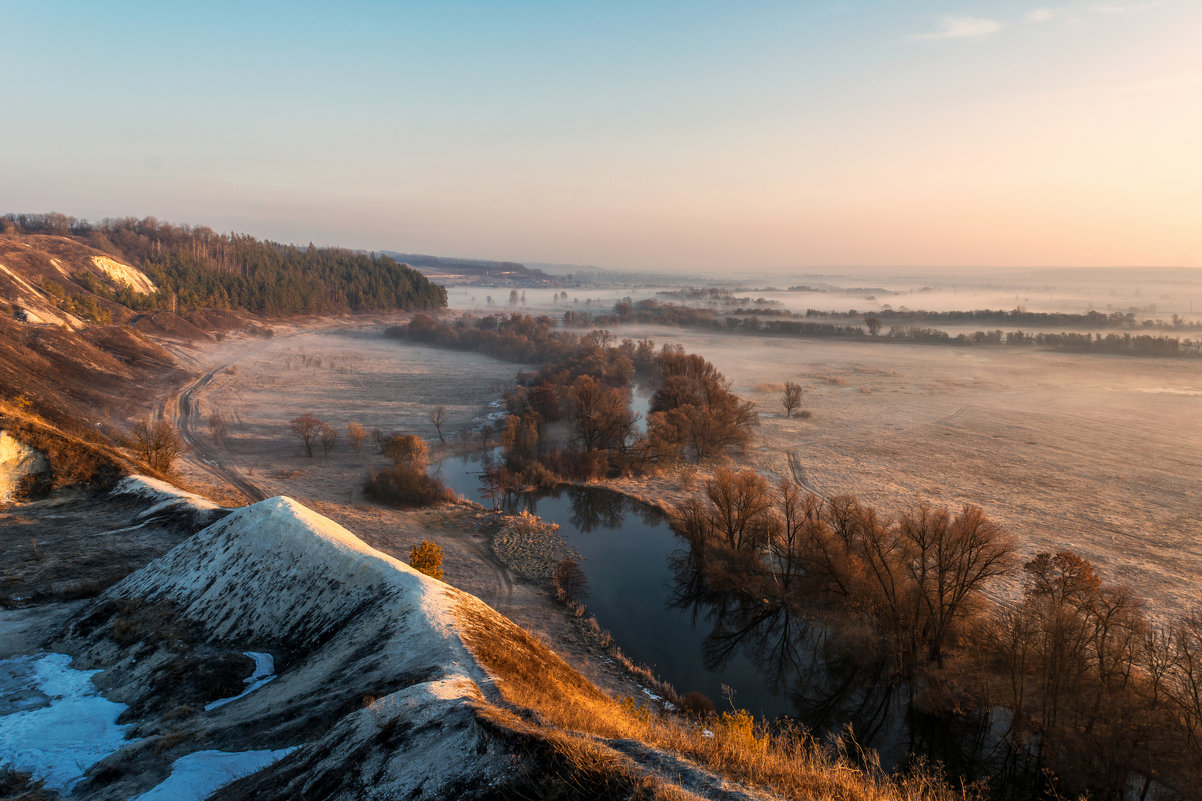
(543, 697)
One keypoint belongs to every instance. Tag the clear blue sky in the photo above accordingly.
(732, 136)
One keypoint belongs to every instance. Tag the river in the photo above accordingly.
(631, 558)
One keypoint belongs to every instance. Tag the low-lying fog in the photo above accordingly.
(1095, 453)
(1149, 294)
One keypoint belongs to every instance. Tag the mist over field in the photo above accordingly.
(1096, 454)
(625, 400)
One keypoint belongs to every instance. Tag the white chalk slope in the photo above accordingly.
(344, 622)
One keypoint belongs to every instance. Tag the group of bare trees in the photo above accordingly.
(573, 419)
(1100, 694)
(312, 431)
(919, 578)
(864, 606)
(694, 415)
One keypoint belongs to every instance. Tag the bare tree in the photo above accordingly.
(157, 443)
(438, 416)
(329, 438)
(569, 581)
(873, 323)
(308, 428)
(951, 559)
(792, 398)
(217, 427)
(355, 435)
(740, 503)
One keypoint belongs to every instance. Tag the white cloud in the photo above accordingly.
(1042, 14)
(962, 28)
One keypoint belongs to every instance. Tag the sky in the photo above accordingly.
(697, 136)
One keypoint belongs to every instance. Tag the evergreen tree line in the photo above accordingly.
(194, 267)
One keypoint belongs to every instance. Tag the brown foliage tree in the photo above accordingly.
(601, 415)
(569, 581)
(355, 436)
(308, 428)
(329, 438)
(408, 450)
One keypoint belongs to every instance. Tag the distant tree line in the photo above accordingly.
(1090, 319)
(775, 323)
(194, 267)
(572, 418)
(889, 622)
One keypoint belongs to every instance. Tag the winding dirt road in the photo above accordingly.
(180, 409)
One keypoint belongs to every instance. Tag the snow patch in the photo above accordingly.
(132, 277)
(198, 775)
(264, 672)
(73, 728)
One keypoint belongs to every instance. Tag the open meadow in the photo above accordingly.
(1098, 454)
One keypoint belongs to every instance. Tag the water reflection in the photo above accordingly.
(648, 589)
(798, 658)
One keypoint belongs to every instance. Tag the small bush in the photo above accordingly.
(404, 487)
(697, 704)
(427, 557)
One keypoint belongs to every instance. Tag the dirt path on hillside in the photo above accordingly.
(179, 408)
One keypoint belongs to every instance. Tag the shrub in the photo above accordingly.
(404, 487)
(408, 450)
(156, 443)
(427, 557)
(697, 704)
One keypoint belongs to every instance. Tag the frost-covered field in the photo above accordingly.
(1099, 454)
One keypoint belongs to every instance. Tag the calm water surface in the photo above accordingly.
(629, 552)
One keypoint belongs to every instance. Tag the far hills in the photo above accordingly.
(480, 271)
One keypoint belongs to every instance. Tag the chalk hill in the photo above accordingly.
(374, 681)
